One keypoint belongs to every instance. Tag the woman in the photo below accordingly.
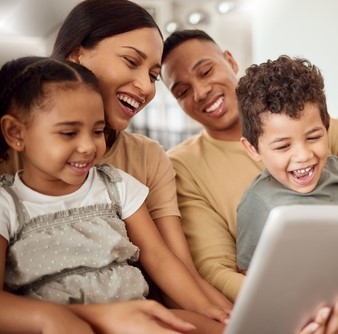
(121, 43)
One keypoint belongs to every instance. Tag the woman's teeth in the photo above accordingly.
(127, 99)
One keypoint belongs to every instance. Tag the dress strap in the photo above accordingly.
(110, 176)
(6, 182)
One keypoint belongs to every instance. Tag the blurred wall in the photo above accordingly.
(304, 28)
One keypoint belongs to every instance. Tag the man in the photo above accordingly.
(212, 168)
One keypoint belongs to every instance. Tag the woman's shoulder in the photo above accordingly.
(139, 156)
(137, 140)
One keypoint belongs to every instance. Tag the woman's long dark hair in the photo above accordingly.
(91, 21)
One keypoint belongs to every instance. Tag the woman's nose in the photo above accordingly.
(144, 84)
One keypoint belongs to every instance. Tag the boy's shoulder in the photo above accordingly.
(332, 163)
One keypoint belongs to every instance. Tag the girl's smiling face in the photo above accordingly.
(127, 66)
(63, 140)
(294, 150)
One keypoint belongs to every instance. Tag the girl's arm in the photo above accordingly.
(167, 271)
(24, 315)
(170, 228)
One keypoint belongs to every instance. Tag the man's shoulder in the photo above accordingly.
(188, 147)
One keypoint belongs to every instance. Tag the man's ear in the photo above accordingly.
(12, 130)
(231, 60)
(250, 149)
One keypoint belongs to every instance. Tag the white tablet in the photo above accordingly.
(293, 270)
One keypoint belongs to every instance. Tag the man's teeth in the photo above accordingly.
(129, 100)
(78, 165)
(215, 105)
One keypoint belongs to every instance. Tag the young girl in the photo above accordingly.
(61, 234)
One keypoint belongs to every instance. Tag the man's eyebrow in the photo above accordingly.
(141, 53)
(200, 62)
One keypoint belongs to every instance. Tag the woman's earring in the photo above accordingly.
(18, 143)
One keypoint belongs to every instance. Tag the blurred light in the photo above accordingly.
(225, 6)
(172, 26)
(198, 17)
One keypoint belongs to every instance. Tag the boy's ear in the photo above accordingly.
(250, 149)
(12, 130)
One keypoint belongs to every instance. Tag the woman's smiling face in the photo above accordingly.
(127, 66)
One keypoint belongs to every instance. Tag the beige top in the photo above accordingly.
(146, 160)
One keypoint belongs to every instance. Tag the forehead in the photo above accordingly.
(183, 59)
(147, 40)
(309, 118)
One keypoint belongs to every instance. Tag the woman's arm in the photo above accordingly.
(167, 271)
(171, 231)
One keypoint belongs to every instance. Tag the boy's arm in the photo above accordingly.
(252, 213)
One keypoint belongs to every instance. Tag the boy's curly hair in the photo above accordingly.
(279, 86)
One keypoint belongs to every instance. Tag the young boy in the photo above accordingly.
(285, 125)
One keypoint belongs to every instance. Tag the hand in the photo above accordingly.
(141, 316)
(217, 313)
(325, 321)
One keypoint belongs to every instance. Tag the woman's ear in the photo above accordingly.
(250, 149)
(75, 55)
(12, 130)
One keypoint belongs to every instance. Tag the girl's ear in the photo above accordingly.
(250, 149)
(12, 130)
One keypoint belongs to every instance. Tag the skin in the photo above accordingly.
(293, 150)
(324, 321)
(196, 91)
(127, 66)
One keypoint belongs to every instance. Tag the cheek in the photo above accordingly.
(152, 94)
(187, 106)
(275, 161)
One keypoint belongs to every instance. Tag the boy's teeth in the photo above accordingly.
(303, 171)
(215, 105)
(129, 100)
